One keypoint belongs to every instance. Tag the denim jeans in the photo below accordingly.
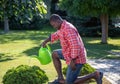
(71, 75)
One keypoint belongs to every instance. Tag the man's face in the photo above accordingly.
(55, 25)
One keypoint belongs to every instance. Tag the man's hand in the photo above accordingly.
(43, 44)
(72, 64)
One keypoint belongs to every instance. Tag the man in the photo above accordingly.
(73, 52)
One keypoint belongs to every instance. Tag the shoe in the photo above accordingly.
(99, 78)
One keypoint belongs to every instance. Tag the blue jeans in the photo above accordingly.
(71, 75)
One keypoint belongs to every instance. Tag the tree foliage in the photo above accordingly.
(99, 8)
(91, 7)
(23, 10)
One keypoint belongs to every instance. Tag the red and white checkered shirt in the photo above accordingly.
(71, 43)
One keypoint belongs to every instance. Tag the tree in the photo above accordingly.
(100, 8)
(48, 3)
(21, 9)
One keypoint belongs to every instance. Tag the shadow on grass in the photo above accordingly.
(21, 35)
(32, 51)
(4, 58)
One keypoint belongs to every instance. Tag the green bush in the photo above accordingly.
(25, 74)
(114, 31)
(86, 69)
(34, 23)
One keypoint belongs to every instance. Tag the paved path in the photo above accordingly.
(111, 68)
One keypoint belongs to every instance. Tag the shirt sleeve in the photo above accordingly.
(54, 37)
(74, 43)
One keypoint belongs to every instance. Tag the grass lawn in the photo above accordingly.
(97, 50)
(17, 47)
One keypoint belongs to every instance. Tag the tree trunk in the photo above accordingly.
(104, 23)
(6, 24)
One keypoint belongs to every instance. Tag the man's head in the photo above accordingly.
(56, 21)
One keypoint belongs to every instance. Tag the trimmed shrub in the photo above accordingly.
(86, 69)
(25, 74)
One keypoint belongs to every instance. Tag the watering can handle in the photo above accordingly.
(48, 47)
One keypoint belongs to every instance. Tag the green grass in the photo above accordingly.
(98, 51)
(17, 47)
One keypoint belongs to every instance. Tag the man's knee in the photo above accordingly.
(54, 54)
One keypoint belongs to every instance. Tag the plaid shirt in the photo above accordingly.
(71, 43)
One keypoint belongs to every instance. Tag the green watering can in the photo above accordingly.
(44, 55)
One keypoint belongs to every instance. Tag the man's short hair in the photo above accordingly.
(55, 17)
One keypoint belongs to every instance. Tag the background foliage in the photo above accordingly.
(91, 8)
(21, 13)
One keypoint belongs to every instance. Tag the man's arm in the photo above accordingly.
(53, 37)
(46, 41)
